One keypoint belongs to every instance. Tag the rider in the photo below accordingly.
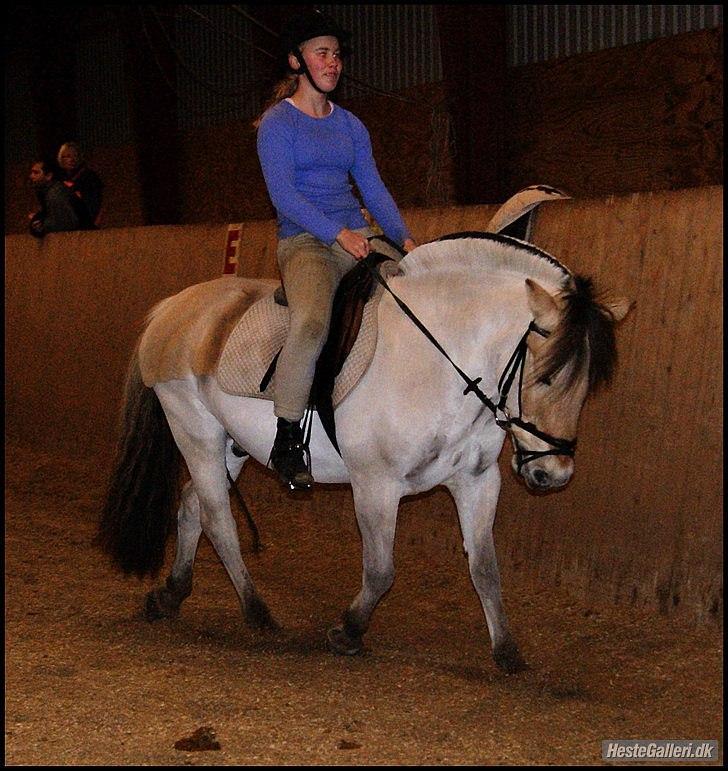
(307, 147)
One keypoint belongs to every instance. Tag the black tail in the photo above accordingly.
(143, 491)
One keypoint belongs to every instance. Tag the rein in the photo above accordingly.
(514, 367)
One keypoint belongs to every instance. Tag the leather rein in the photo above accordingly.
(513, 368)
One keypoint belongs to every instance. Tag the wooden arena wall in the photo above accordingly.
(639, 524)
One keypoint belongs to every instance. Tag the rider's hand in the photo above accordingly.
(354, 243)
(409, 245)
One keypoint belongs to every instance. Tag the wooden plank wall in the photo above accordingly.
(75, 304)
(647, 116)
(640, 523)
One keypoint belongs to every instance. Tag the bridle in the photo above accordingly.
(515, 366)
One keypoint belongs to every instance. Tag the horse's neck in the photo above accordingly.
(456, 293)
(473, 298)
(478, 288)
(485, 259)
(478, 320)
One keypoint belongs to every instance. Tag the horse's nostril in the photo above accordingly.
(540, 477)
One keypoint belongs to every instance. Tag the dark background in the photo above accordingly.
(601, 100)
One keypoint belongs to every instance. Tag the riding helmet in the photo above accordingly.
(310, 24)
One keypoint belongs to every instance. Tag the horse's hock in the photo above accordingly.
(641, 521)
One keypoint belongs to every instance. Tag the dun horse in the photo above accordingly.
(538, 339)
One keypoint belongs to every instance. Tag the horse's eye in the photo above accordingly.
(545, 380)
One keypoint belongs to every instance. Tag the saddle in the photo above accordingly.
(247, 364)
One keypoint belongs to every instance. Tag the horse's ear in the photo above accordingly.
(619, 308)
(544, 306)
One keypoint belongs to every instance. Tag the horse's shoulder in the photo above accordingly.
(186, 332)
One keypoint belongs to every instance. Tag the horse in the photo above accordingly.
(540, 338)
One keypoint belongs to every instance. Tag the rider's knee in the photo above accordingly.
(309, 328)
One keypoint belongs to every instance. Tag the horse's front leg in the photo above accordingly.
(476, 498)
(375, 504)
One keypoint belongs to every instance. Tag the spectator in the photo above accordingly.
(84, 184)
(56, 211)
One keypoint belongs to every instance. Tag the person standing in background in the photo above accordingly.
(56, 211)
(83, 183)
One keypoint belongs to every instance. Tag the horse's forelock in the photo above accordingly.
(585, 333)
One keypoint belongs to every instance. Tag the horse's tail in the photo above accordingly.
(143, 490)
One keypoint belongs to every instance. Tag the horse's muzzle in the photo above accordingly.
(543, 474)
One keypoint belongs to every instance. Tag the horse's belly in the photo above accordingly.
(252, 424)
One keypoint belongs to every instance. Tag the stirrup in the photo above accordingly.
(290, 456)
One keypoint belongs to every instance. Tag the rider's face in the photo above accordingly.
(323, 59)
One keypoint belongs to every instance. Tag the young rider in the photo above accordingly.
(308, 146)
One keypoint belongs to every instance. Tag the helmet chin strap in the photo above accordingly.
(303, 70)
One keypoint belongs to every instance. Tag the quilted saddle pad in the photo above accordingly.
(260, 334)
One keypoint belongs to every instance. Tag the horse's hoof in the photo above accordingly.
(508, 658)
(263, 624)
(258, 617)
(156, 608)
(341, 643)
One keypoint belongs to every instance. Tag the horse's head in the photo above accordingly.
(570, 351)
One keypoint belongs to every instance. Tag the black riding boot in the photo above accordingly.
(287, 456)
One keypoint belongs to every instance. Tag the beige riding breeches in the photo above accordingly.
(311, 273)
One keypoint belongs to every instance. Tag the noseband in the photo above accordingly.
(514, 366)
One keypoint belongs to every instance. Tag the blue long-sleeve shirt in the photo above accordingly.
(306, 163)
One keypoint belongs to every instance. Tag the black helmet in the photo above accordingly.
(305, 26)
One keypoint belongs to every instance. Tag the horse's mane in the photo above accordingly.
(474, 253)
(586, 330)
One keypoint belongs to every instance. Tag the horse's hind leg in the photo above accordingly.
(203, 443)
(376, 513)
(476, 498)
(165, 601)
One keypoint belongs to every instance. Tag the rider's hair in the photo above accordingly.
(282, 90)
